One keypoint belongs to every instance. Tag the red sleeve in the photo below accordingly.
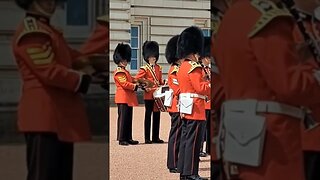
(122, 79)
(141, 74)
(75, 54)
(173, 84)
(97, 43)
(160, 79)
(282, 67)
(200, 86)
(40, 56)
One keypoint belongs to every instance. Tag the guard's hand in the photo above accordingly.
(182, 115)
(304, 51)
(147, 89)
(87, 70)
(165, 81)
(142, 87)
(97, 80)
(99, 77)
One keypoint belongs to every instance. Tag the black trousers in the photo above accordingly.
(191, 135)
(174, 140)
(48, 158)
(124, 122)
(147, 121)
(206, 133)
(217, 170)
(312, 165)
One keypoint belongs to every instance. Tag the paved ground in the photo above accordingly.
(90, 161)
(143, 161)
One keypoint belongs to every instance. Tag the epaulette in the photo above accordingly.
(59, 29)
(269, 12)
(194, 65)
(175, 70)
(119, 69)
(160, 67)
(31, 26)
(144, 67)
(103, 18)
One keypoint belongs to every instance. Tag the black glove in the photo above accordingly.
(136, 87)
(84, 84)
(101, 75)
(142, 87)
(101, 78)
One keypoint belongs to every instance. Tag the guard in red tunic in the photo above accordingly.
(265, 84)
(194, 90)
(310, 146)
(206, 62)
(97, 43)
(219, 7)
(125, 97)
(175, 131)
(153, 72)
(51, 113)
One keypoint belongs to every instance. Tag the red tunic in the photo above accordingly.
(97, 43)
(190, 78)
(310, 138)
(174, 85)
(267, 67)
(125, 87)
(48, 101)
(208, 103)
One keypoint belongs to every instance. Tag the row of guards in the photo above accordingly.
(266, 90)
(185, 95)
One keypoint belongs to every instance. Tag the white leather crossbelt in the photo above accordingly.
(193, 95)
(272, 107)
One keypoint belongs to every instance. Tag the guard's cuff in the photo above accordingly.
(84, 84)
(135, 87)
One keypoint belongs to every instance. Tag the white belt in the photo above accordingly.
(193, 95)
(271, 107)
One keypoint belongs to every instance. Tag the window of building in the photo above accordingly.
(76, 17)
(135, 47)
(77, 13)
(206, 32)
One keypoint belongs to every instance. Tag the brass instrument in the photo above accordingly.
(144, 83)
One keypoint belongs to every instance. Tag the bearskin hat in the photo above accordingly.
(25, 4)
(150, 49)
(190, 42)
(122, 52)
(206, 47)
(171, 50)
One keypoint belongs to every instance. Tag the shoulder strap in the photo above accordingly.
(194, 65)
(154, 76)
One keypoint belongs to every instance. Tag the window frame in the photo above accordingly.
(77, 31)
(138, 48)
(208, 30)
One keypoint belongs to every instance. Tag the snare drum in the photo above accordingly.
(159, 97)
